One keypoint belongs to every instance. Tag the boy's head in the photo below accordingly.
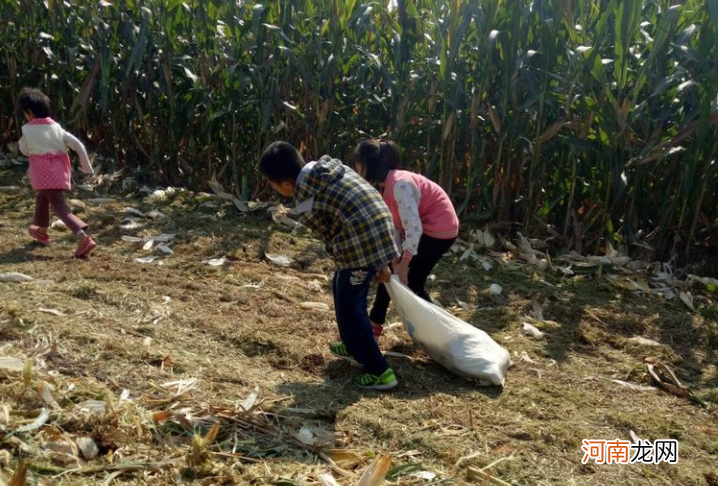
(373, 159)
(281, 164)
(34, 103)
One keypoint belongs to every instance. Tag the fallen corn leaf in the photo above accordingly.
(165, 249)
(376, 472)
(633, 386)
(15, 277)
(58, 225)
(20, 476)
(54, 312)
(87, 447)
(476, 474)
(45, 391)
(133, 211)
(328, 480)
(37, 423)
(147, 259)
(281, 260)
(320, 306)
(9, 363)
(98, 407)
(666, 379)
(644, 341)
(344, 458)
(251, 400)
(687, 299)
(212, 434)
(532, 331)
(158, 417)
(215, 262)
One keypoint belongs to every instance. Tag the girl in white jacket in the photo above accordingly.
(45, 142)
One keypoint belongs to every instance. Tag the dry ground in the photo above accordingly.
(241, 326)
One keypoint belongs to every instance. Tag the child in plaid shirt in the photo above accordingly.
(357, 228)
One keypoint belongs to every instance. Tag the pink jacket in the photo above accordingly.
(438, 218)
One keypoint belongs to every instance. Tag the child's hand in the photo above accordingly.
(401, 270)
(383, 275)
(86, 177)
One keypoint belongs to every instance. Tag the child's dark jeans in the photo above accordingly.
(350, 301)
(429, 253)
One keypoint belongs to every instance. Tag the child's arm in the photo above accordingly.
(406, 200)
(22, 145)
(75, 144)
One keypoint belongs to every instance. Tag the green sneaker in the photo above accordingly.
(386, 381)
(339, 349)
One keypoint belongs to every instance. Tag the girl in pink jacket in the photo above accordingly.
(424, 217)
(45, 143)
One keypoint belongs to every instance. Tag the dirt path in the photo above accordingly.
(139, 327)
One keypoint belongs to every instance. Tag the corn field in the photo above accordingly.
(580, 120)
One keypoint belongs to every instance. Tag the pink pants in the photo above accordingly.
(56, 199)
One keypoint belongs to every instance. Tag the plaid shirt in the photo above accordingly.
(348, 214)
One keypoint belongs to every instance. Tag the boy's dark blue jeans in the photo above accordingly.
(350, 288)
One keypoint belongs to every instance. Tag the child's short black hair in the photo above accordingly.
(281, 162)
(34, 101)
(378, 158)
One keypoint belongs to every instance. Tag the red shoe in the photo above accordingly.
(85, 247)
(42, 238)
(377, 330)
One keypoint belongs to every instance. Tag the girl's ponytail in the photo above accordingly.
(378, 157)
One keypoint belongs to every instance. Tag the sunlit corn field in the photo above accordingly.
(584, 121)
